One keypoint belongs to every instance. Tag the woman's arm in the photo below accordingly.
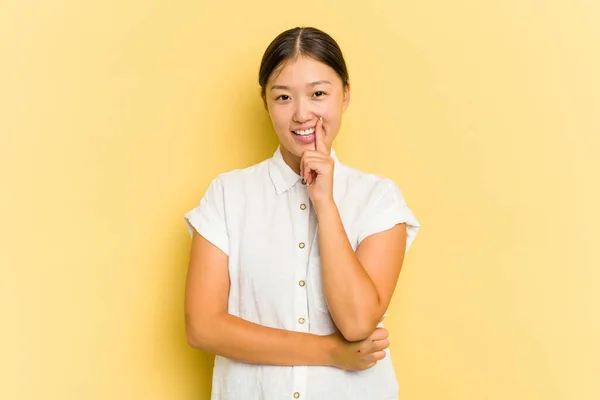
(210, 327)
(358, 286)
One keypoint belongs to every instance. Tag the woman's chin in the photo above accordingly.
(296, 148)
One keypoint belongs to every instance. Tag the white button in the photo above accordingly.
(303, 206)
(301, 283)
(296, 395)
(301, 320)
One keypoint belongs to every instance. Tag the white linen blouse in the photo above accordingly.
(262, 218)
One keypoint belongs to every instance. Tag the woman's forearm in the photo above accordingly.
(351, 296)
(237, 339)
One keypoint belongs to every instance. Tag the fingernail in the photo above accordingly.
(320, 118)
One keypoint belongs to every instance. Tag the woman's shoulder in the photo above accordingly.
(366, 182)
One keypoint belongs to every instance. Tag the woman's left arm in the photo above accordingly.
(358, 286)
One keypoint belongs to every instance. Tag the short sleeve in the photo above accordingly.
(387, 209)
(208, 217)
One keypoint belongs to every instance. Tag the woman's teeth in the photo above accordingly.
(305, 133)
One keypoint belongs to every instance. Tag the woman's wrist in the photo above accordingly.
(330, 345)
(325, 207)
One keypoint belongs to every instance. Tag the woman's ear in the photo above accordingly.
(264, 99)
(346, 100)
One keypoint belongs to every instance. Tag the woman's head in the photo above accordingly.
(303, 76)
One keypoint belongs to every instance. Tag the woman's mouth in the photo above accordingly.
(305, 136)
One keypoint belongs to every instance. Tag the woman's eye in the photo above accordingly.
(318, 94)
(283, 97)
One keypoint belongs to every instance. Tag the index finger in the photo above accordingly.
(320, 137)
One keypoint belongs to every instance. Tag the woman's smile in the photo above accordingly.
(304, 136)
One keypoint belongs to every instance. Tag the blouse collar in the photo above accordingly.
(283, 177)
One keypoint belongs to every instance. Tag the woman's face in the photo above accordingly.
(300, 93)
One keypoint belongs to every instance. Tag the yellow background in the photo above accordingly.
(115, 116)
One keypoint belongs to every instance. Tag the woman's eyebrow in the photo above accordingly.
(318, 83)
(284, 87)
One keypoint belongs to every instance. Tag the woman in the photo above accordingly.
(294, 260)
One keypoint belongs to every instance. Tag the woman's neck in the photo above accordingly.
(292, 160)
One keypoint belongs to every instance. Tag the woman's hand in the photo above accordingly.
(316, 167)
(358, 356)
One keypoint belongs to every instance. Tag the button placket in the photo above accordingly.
(299, 208)
(299, 202)
(301, 297)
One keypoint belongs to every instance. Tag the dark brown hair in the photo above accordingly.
(297, 42)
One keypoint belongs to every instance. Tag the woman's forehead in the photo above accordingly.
(303, 71)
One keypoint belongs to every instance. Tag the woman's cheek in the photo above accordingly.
(331, 126)
(280, 124)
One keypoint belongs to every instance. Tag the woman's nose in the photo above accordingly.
(302, 112)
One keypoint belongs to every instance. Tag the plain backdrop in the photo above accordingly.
(116, 115)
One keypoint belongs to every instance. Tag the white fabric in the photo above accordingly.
(254, 215)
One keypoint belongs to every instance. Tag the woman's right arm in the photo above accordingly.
(211, 328)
